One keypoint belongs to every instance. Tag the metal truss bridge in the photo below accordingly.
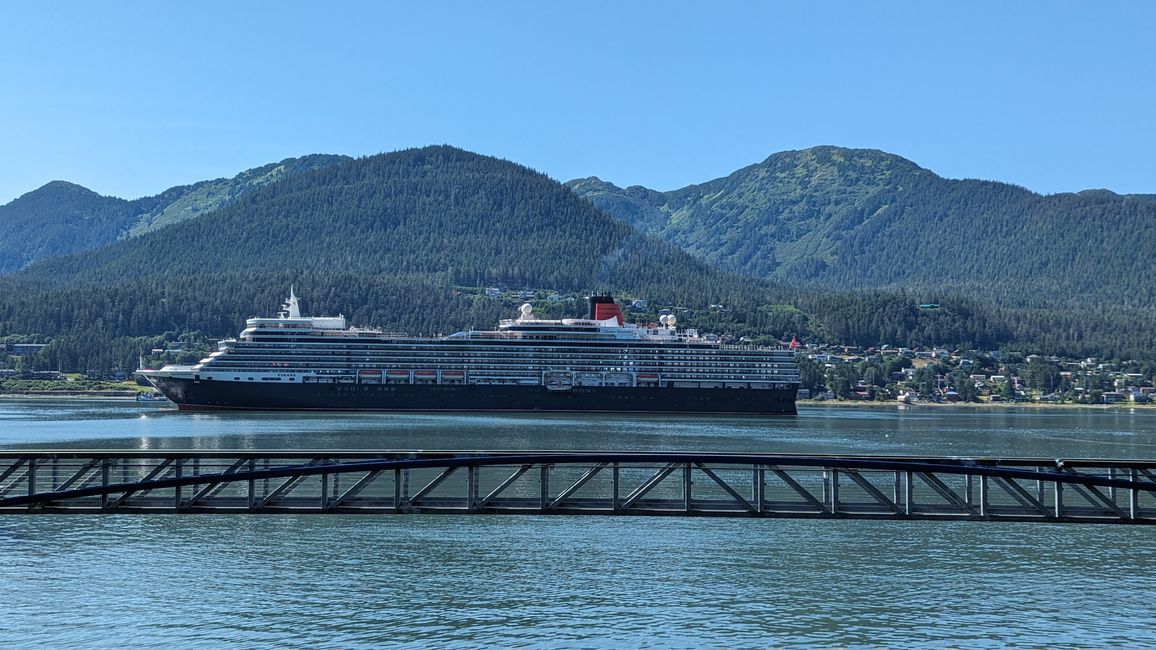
(579, 483)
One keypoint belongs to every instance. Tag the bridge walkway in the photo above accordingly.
(579, 483)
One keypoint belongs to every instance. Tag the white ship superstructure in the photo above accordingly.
(559, 356)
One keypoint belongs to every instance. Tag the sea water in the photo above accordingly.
(468, 581)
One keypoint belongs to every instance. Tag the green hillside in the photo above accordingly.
(863, 219)
(63, 218)
(58, 219)
(187, 202)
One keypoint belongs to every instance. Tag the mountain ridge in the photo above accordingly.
(61, 217)
(865, 219)
(429, 211)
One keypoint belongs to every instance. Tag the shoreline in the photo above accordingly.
(968, 405)
(131, 396)
(78, 394)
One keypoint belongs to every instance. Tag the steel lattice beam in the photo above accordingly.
(1108, 491)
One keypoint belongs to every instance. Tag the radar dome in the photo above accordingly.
(671, 320)
(527, 309)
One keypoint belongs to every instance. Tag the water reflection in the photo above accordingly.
(1056, 433)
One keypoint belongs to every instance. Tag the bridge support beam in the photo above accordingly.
(631, 483)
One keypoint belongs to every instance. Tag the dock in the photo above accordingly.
(579, 483)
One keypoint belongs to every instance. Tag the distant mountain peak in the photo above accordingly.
(57, 187)
(830, 155)
(67, 197)
(60, 217)
(63, 185)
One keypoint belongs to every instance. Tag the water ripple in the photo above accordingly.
(570, 581)
(447, 581)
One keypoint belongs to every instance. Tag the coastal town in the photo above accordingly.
(939, 375)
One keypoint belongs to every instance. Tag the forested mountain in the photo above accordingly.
(390, 240)
(473, 219)
(58, 219)
(864, 219)
(188, 201)
(62, 218)
(403, 240)
(383, 239)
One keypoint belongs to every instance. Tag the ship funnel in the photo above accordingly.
(604, 307)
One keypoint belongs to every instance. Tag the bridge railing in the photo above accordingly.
(546, 482)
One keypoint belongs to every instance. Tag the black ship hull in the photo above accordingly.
(213, 395)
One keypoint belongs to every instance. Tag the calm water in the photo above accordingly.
(367, 581)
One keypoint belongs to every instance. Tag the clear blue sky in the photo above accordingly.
(130, 98)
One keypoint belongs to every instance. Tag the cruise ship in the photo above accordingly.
(594, 364)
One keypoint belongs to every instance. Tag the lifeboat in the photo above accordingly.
(646, 379)
(369, 376)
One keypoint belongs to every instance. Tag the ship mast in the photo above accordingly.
(291, 309)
